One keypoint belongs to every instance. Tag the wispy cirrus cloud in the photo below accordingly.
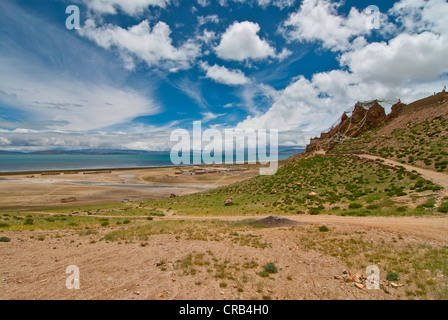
(52, 86)
(71, 104)
(193, 90)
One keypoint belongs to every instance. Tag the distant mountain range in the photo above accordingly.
(119, 151)
(89, 151)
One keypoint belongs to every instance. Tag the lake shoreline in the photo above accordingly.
(88, 168)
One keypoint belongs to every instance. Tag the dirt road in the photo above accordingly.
(426, 227)
(439, 178)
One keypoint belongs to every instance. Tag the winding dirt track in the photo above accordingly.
(439, 178)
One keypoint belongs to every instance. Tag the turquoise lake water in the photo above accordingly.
(34, 162)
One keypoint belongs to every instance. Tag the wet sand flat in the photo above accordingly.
(43, 190)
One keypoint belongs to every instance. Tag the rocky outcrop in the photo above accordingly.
(361, 120)
(397, 110)
(375, 117)
(366, 116)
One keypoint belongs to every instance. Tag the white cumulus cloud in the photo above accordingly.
(422, 15)
(130, 7)
(223, 75)
(318, 20)
(152, 46)
(241, 42)
(405, 58)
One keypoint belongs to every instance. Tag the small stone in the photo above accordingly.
(396, 285)
(357, 278)
(359, 285)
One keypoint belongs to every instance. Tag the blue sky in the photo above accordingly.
(136, 70)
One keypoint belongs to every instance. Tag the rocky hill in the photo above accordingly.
(415, 133)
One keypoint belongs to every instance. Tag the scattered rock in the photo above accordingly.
(229, 202)
(313, 194)
(396, 285)
(359, 285)
(274, 191)
(358, 280)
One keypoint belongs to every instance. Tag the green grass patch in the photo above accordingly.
(337, 181)
(5, 239)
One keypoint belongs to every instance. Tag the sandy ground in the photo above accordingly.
(33, 269)
(34, 191)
